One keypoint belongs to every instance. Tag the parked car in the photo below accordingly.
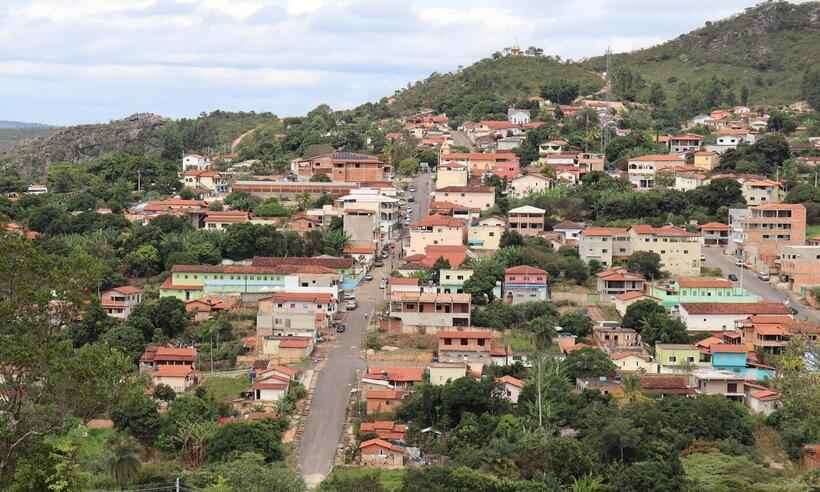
(368, 277)
(412, 189)
(739, 262)
(378, 263)
(411, 199)
(351, 305)
(733, 277)
(763, 276)
(340, 328)
(383, 284)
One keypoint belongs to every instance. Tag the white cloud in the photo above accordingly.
(64, 10)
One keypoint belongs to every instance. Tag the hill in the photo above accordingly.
(766, 48)
(486, 88)
(4, 124)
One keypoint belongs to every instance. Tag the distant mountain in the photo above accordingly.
(20, 124)
(767, 48)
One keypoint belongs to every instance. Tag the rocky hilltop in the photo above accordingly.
(32, 157)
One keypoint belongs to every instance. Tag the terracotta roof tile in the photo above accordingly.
(708, 308)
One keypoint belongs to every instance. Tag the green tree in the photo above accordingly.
(811, 87)
(164, 392)
(639, 311)
(138, 415)
(408, 167)
(560, 91)
(588, 363)
(143, 261)
(93, 325)
(240, 200)
(320, 178)
(576, 323)
(187, 194)
(248, 472)
(124, 464)
(660, 328)
(262, 437)
(646, 263)
(343, 480)
(216, 206)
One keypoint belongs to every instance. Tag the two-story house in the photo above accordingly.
(302, 314)
(526, 220)
(120, 301)
(525, 284)
(619, 280)
(428, 311)
(471, 346)
(715, 234)
(604, 245)
(452, 174)
(678, 249)
(800, 267)
(435, 230)
(715, 316)
(486, 234)
(472, 197)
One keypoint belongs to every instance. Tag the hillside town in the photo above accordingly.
(585, 291)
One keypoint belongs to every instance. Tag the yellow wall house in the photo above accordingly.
(679, 249)
(674, 357)
(706, 160)
(486, 235)
(451, 174)
(442, 372)
(479, 197)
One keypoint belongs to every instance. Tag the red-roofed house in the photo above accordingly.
(511, 387)
(525, 284)
(384, 429)
(604, 245)
(286, 350)
(155, 357)
(180, 378)
(436, 230)
(383, 401)
(761, 400)
(120, 301)
(619, 280)
(203, 308)
(682, 144)
(398, 377)
(427, 311)
(381, 454)
(300, 314)
(715, 234)
(271, 387)
(713, 316)
(455, 255)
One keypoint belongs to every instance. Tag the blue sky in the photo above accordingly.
(83, 61)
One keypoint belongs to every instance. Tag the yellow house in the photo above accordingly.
(675, 357)
(486, 234)
(706, 160)
(452, 174)
(435, 230)
(679, 249)
(474, 197)
(442, 372)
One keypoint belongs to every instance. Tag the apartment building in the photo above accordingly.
(294, 314)
(435, 230)
(526, 220)
(342, 166)
(604, 244)
(429, 310)
(452, 174)
(472, 197)
(679, 249)
(800, 267)
(643, 169)
(768, 229)
(362, 225)
(385, 208)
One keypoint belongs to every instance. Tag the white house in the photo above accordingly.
(634, 362)
(195, 161)
(715, 316)
(526, 184)
(511, 388)
(518, 116)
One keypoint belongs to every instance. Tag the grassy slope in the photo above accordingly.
(772, 43)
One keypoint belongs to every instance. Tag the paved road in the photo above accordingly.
(423, 196)
(325, 422)
(716, 259)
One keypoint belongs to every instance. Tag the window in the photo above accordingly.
(448, 341)
(690, 360)
(464, 341)
(673, 358)
(481, 342)
(731, 387)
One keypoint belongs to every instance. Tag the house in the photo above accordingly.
(178, 377)
(120, 301)
(736, 218)
(455, 255)
(451, 281)
(715, 316)
(195, 162)
(413, 311)
(382, 454)
(761, 191)
(302, 223)
(435, 230)
(271, 387)
(251, 282)
(205, 183)
(195, 210)
(443, 372)
(452, 174)
(399, 377)
(384, 429)
(385, 208)
(292, 190)
(800, 268)
(506, 170)
(699, 289)
(526, 220)
(525, 284)
(634, 362)
(708, 381)
(471, 346)
(202, 309)
(472, 197)
(526, 184)
(762, 400)
(678, 249)
(706, 160)
(603, 385)
(588, 163)
(286, 350)
(767, 334)
(510, 388)
(361, 225)
(383, 401)
(682, 144)
(454, 210)
(661, 385)
(768, 229)
(688, 180)
(619, 280)
(518, 116)
(569, 230)
(486, 234)
(219, 221)
(616, 338)
(294, 314)
(676, 357)
(342, 166)
(555, 146)
(155, 357)
(715, 234)
(363, 252)
(604, 245)
(478, 162)
(642, 169)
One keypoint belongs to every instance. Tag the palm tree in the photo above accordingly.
(632, 389)
(587, 483)
(124, 463)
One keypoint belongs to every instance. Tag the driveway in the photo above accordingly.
(749, 281)
(325, 422)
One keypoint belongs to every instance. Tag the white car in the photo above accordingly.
(383, 284)
(351, 305)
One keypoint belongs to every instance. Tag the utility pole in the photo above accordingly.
(540, 398)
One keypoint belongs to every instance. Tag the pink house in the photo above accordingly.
(525, 284)
(507, 169)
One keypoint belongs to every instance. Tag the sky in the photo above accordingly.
(84, 61)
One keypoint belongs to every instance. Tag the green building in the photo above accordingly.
(693, 290)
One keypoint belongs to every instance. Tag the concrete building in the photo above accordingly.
(675, 358)
(478, 162)
(716, 316)
(362, 226)
(682, 144)
(604, 244)
(800, 267)
(205, 183)
(761, 191)
(518, 116)
(442, 373)
(120, 301)
(526, 220)
(770, 228)
(619, 280)
(706, 160)
(486, 234)
(451, 281)
(736, 218)
(694, 290)
(468, 346)
(298, 314)
(707, 381)
(569, 231)
(219, 221)
(472, 197)
(435, 230)
(452, 174)
(642, 169)
(527, 184)
(715, 234)
(525, 284)
(678, 249)
(429, 311)
(385, 207)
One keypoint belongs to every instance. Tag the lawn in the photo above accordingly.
(226, 388)
(519, 341)
(391, 480)
(813, 230)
